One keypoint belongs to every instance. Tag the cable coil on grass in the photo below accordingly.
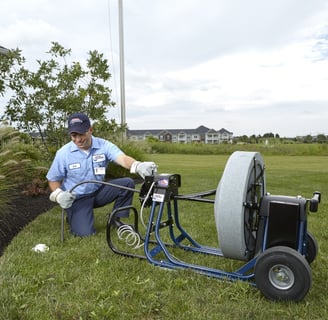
(130, 236)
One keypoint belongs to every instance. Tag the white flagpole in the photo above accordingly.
(122, 79)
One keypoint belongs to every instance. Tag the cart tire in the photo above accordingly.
(311, 248)
(235, 222)
(282, 273)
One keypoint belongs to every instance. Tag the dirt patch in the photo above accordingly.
(23, 210)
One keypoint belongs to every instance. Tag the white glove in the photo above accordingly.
(64, 198)
(146, 168)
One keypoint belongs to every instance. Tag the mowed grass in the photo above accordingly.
(84, 279)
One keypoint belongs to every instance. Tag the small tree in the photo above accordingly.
(308, 139)
(42, 100)
(321, 138)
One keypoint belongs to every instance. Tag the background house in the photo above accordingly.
(201, 134)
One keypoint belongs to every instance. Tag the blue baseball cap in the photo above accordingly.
(79, 123)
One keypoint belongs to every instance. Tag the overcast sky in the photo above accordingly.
(251, 67)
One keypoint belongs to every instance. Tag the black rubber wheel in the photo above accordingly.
(282, 273)
(311, 248)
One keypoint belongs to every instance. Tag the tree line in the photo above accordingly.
(275, 138)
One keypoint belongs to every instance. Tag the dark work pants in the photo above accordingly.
(81, 216)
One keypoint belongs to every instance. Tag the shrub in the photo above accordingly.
(131, 149)
(18, 167)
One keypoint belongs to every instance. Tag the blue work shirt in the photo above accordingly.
(73, 165)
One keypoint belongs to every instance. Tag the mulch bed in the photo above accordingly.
(22, 210)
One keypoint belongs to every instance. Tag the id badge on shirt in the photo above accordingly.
(98, 157)
(100, 170)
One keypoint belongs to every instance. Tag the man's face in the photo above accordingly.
(83, 141)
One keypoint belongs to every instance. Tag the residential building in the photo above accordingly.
(201, 134)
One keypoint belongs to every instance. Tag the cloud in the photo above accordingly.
(187, 32)
(28, 32)
(247, 66)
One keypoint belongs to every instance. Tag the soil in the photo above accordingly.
(22, 210)
(27, 204)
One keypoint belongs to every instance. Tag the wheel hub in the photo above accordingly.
(281, 277)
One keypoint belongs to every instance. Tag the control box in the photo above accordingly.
(160, 187)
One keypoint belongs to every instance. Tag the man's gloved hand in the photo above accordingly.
(64, 198)
(146, 168)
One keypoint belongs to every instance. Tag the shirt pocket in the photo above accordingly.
(99, 168)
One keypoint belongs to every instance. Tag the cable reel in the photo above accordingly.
(237, 202)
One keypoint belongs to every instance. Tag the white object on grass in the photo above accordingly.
(41, 247)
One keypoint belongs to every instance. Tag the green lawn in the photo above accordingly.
(84, 279)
